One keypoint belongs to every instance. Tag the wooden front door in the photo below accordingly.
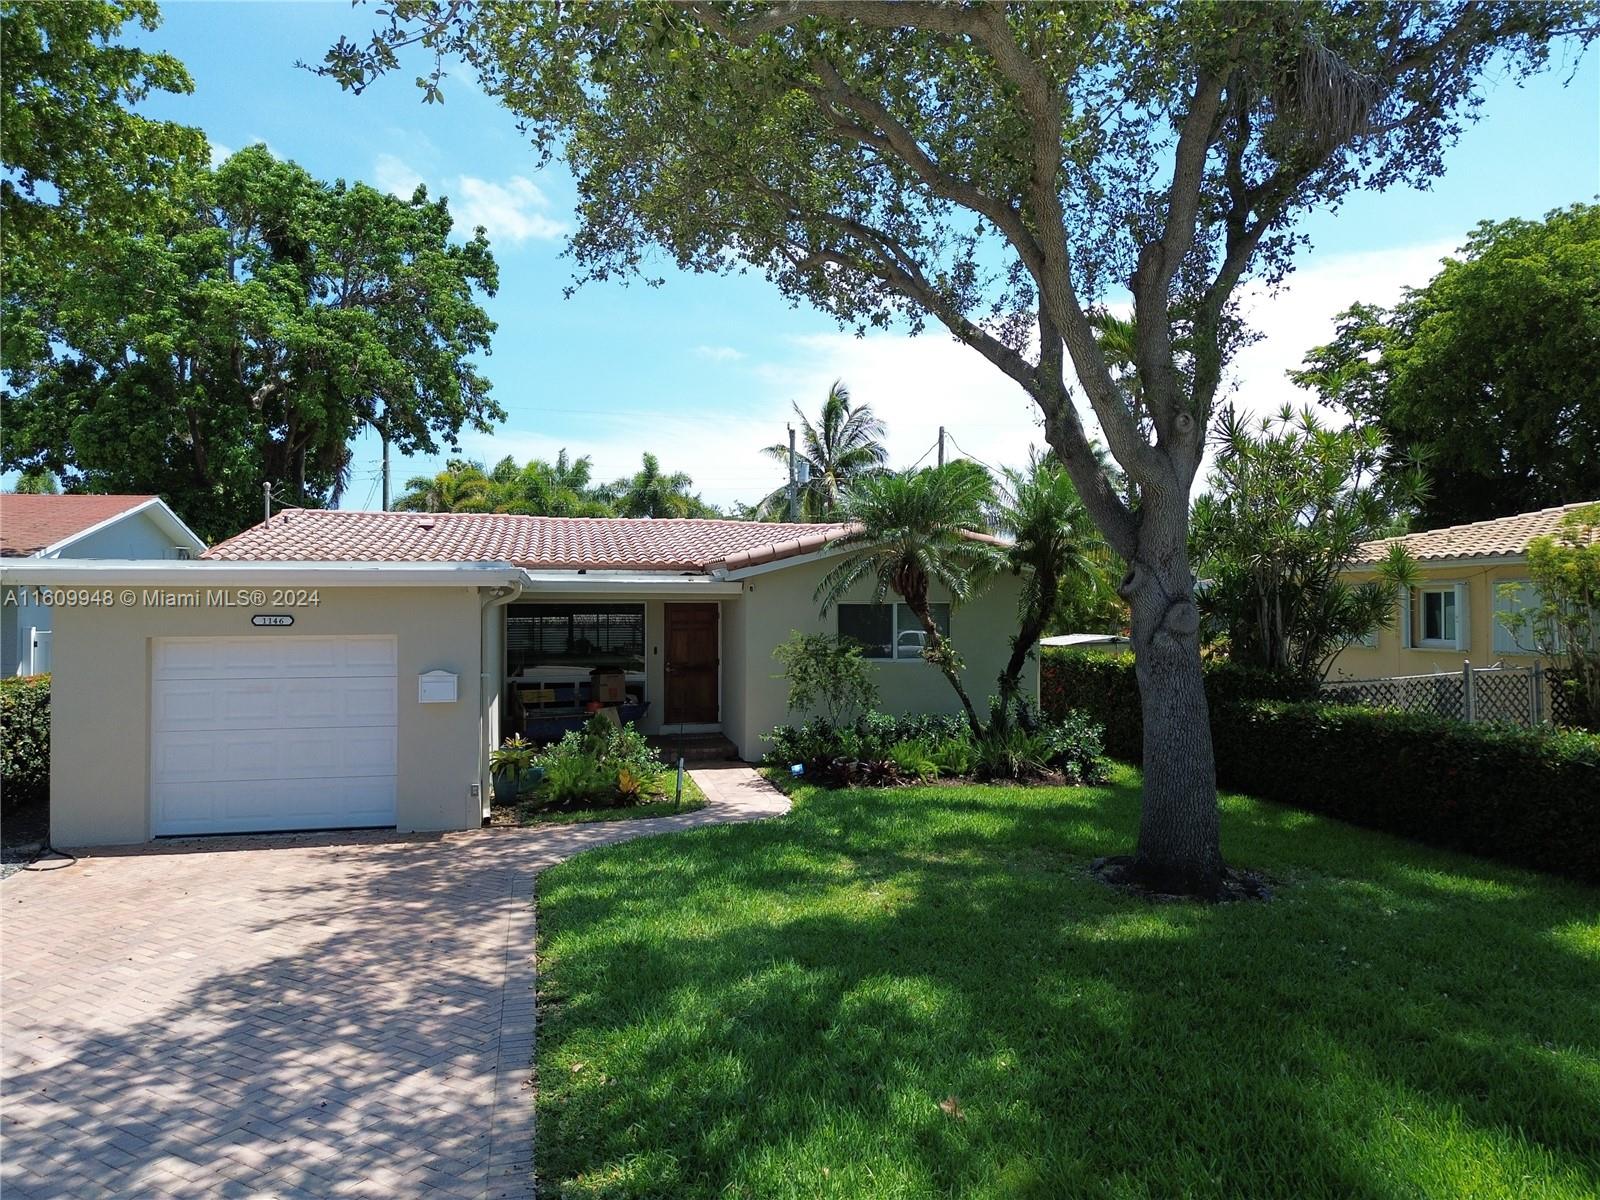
(692, 668)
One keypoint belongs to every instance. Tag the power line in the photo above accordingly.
(970, 454)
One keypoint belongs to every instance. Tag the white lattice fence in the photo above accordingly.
(1506, 695)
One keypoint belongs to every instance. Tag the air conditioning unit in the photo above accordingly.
(181, 552)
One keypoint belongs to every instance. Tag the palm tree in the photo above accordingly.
(844, 445)
(461, 487)
(910, 530)
(1054, 545)
(650, 492)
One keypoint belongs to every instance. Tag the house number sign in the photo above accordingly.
(272, 619)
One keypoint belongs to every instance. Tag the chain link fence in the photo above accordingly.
(1504, 695)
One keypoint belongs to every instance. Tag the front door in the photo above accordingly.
(692, 669)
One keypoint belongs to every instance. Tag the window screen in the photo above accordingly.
(574, 634)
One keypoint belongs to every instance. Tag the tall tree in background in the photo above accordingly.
(844, 444)
(1491, 373)
(652, 492)
(1000, 169)
(247, 337)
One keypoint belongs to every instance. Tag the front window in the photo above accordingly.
(890, 631)
(1437, 616)
(575, 635)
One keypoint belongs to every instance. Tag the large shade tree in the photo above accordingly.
(262, 323)
(1000, 170)
(1491, 372)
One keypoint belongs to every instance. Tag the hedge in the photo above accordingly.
(1530, 797)
(1523, 796)
(24, 738)
(1104, 685)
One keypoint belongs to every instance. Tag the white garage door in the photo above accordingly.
(272, 732)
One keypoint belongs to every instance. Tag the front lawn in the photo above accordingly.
(922, 992)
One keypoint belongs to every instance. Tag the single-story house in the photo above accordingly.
(53, 527)
(1461, 609)
(331, 669)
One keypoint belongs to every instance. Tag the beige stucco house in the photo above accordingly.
(333, 669)
(1455, 613)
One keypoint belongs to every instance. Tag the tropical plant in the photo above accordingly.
(911, 530)
(37, 482)
(652, 492)
(999, 169)
(1564, 607)
(826, 673)
(1490, 372)
(914, 759)
(1291, 501)
(843, 444)
(1053, 546)
(460, 487)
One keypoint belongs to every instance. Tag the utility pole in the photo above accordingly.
(385, 438)
(266, 501)
(941, 445)
(794, 492)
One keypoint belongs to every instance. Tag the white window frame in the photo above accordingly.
(894, 607)
(1415, 623)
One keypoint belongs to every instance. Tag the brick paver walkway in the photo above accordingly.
(290, 1016)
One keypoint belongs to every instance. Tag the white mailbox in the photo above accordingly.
(436, 687)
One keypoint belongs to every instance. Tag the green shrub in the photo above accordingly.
(25, 739)
(914, 759)
(953, 756)
(1074, 744)
(1530, 797)
(1105, 687)
(598, 762)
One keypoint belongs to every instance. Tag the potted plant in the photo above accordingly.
(512, 768)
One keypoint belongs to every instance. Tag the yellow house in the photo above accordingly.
(1453, 614)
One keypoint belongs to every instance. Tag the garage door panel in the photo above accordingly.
(274, 654)
(255, 734)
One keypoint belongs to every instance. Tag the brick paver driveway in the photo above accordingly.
(286, 1016)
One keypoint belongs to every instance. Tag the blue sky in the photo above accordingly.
(702, 369)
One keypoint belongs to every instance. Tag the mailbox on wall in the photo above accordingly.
(436, 687)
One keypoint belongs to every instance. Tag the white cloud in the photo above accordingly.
(220, 154)
(1303, 313)
(718, 353)
(394, 175)
(509, 212)
(513, 211)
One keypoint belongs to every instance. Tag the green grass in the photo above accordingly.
(530, 813)
(778, 1010)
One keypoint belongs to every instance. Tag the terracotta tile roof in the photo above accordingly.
(1481, 539)
(30, 523)
(612, 543)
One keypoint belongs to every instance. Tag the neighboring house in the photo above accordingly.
(53, 527)
(338, 669)
(1455, 612)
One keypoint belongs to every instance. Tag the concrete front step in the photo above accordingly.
(695, 747)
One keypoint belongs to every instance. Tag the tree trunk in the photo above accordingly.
(1179, 848)
(938, 652)
(1033, 625)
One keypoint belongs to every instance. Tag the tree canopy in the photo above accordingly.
(1491, 373)
(1000, 169)
(247, 338)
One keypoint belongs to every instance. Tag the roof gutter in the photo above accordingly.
(178, 573)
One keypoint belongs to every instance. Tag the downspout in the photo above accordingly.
(491, 672)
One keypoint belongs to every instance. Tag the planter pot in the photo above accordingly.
(508, 785)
